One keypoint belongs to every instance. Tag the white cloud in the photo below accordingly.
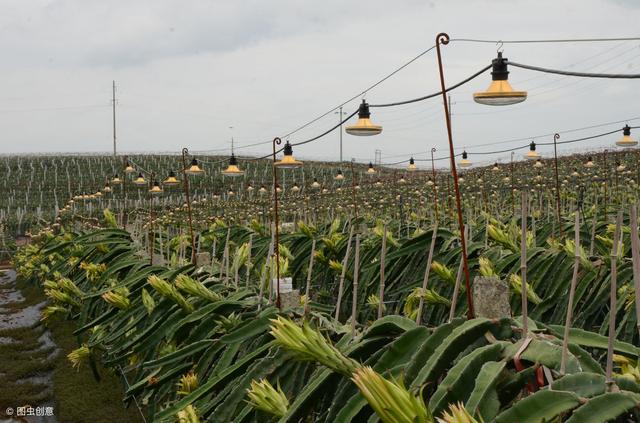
(187, 70)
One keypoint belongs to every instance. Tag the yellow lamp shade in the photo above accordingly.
(107, 188)
(128, 168)
(538, 163)
(339, 176)
(495, 167)
(194, 168)
(412, 165)
(116, 180)
(288, 162)
(156, 188)
(626, 140)
(171, 180)
(371, 170)
(378, 182)
(402, 180)
(140, 180)
(262, 190)
(465, 162)
(295, 188)
(500, 92)
(98, 194)
(363, 126)
(233, 170)
(315, 183)
(532, 154)
(249, 188)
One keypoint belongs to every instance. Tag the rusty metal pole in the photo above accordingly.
(276, 245)
(185, 152)
(443, 38)
(555, 163)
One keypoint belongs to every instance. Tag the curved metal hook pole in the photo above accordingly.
(276, 246)
(185, 153)
(556, 136)
(443, 39)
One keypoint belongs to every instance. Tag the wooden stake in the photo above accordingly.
(613, 298)
(523, 265)
(425, 280)
(456, 290)
(249, 260)
(309, 273)
(356, 272)
(225, 258)
(344, 270)
(383, 255)
(267, 275)
(572, 291)
(593, 227)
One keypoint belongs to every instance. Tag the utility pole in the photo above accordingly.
(113, 102)
(340, 114)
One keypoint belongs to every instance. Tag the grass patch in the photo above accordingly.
(76, 394)
(79, 397)
(14, 394)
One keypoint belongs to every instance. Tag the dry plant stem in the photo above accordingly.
(612, 299)
(356, 274)
(456, 292)
(383, 255)
(309, 273)
(523, 265)
(572, 291)
(425, 280)
(344, 270)
(635, 250)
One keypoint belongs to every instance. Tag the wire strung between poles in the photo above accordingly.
(578, 74)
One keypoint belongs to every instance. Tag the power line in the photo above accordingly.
(578, 74)
(541, 41)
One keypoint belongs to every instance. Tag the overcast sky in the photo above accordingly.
(187, 70)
